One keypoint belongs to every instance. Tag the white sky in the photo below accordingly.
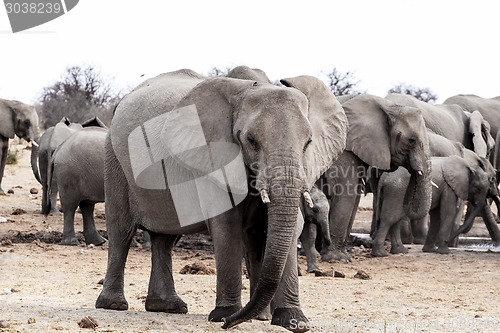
(451, 47)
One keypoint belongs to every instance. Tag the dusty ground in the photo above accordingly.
(46, 287)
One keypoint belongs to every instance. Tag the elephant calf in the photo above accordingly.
(455, 179)
(78, 167)
(314, 217)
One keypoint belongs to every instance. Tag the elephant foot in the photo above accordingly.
(222, 312)
(293, 319)
(313, 266)
(379, 252)
(265, 314)
(429, 248)
(336, 255)
(419, 240)
(398, 249)
(95, 239)
(172, 305)
(54, 212)
(443, 250)
(111, 303)
(72, 241)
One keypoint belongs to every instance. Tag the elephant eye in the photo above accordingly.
(412, 142)
(307, 144)
(251, 140)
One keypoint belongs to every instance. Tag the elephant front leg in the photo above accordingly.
(162, 296)
(431, 238)
(342, 211)
(226, 232)
(4, 146)
(89, 230)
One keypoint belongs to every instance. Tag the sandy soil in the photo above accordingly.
(46, 287)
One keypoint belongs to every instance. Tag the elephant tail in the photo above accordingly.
(50, 174)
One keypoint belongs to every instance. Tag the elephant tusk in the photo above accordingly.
(33, 142)
(420, 173)
(308, 199)
(264, 196)
(434, 184)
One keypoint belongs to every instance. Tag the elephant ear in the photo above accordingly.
(65, 120)
(94, 121)
(368, 135)
(8, 118)
(481, 138)
(456, 174)
(328, 122)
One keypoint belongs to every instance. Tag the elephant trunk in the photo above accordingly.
(470, 215)
(34, 159)
(282, 224)
(491, 225)
(324, 226)
(417, 201)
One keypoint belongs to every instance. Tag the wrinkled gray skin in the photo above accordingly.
(50, 140)
(454, 123)
(315, 223)
(19, 119)
(273, 126)
(489, 108)
(383, 135)
(458, 179)
(78, 166)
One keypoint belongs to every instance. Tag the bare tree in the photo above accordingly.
(423, 94)
(342, 83)
(216, 71)
(80, 95)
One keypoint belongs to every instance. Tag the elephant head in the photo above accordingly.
(386, 135)
(318, 213)
(22, 120)
(482, 141)
(472, 178)
(288, 137)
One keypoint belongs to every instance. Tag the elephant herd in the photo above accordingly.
(257, 165)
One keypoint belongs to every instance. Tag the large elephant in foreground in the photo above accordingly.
(384, 135)
(182, 153)
(19, 119)
(50, 140)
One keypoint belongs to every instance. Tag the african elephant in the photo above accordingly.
(180, 127)
(78, 166)
(453, 122)
(455, 179)
(315, 217)
(490, 110)
(19, 119)
(384, 135)
(50, 140)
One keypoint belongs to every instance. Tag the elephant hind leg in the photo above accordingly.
(69, 236)
(121, 229)
(162, 296)
(396, 242)
(89, 229)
